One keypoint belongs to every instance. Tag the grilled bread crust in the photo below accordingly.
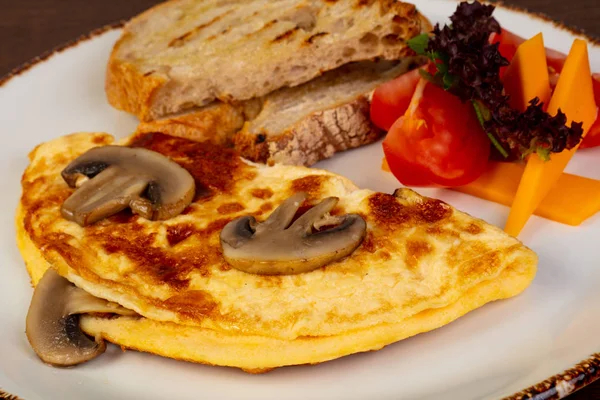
(317, 137)
(293, 126)
(188, 53)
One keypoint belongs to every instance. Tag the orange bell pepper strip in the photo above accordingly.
(527, 75)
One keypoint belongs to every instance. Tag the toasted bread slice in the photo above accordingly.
(295, 126)
(187, 53)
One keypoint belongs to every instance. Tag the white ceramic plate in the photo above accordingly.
(490, 353)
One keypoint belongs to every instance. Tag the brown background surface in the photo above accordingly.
(30, 27)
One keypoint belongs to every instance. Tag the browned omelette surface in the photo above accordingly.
(419, 253)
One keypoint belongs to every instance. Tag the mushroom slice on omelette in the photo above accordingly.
(212, 284)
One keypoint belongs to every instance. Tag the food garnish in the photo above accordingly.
(510, 81)
(527, 77)
(507, 45)
(574, 95)
(110, 179)
(500, 180)
(468, 66)
(279, 247)
(52, 324)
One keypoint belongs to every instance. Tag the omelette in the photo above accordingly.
(418, 263)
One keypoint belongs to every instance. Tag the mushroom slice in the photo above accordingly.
(274, 247)
(52, 324)
(149, 183)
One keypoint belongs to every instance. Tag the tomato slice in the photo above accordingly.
(390, 100)
(592, 139)
(438, 142)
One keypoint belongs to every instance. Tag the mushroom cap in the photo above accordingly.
(146, 181)
(274, 247)
(52, 324)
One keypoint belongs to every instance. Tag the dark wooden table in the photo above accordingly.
(31, 27)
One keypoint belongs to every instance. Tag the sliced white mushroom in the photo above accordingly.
(52, 324)
(149, 183)
(274, 247)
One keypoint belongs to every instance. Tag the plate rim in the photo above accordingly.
(7, 396)
(555, 387)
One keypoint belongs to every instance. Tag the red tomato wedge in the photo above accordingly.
(438, 142)
(391, 99)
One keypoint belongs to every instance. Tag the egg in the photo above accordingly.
(421, 264)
